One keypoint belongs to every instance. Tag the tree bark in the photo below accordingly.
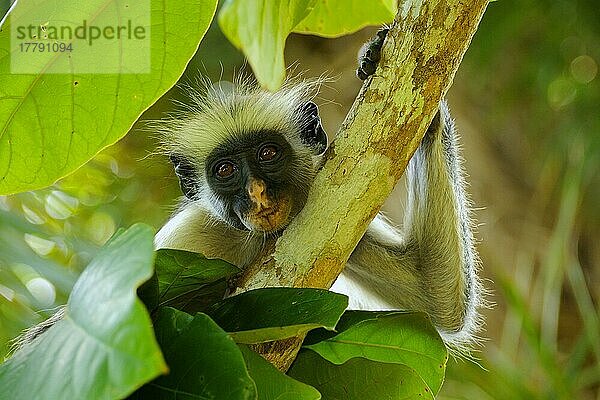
(382, 130)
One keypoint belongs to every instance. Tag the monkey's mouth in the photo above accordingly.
(269, 219)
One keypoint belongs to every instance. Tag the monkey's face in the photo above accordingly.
(259, 181)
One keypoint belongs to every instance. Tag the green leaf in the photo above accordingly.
(204, 362)
(104, 347)
(347, 320)
(262, 315)
(401, 338)
(53, 122)
(333, 18)
(189, 281)
(259, 28)
(274, 384)
(358, 379)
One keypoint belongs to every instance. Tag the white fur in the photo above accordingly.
(359, 297)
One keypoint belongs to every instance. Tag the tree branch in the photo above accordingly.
(383, 129)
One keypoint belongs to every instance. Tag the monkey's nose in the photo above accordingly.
(257, 190)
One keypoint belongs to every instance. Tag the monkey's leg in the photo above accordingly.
(431, 266)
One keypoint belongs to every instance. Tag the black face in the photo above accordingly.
(258, 179)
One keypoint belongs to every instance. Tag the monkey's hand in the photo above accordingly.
(370, 54)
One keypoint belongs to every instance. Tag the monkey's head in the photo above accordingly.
(248, 156)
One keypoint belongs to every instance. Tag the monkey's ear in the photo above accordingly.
(187, 175)
(312, 133)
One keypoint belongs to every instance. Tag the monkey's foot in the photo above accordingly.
(370, 54)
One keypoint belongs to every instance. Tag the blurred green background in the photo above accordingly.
(527, 104)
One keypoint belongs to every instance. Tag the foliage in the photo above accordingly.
(261, 28)
(392, 337)
(53, 122)
(196, 343)
(187, 281)
(105, 343)
(334, 18)
(359, 378)
(271, 384)
(251, 318)
(47, 237)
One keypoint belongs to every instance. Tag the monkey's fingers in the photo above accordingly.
(370, 54)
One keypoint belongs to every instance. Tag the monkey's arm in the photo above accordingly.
(431, 266)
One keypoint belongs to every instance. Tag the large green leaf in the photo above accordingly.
(333, 18)
(204, 362)
(358, 379)
(51, 123)
(401, 338)
(104, 347)
(259, 28)
(189, 281)
(262, 315)
(273, 384)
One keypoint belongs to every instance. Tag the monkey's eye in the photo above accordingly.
(268, 152)
(225, 169)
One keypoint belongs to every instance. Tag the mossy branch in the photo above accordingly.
(384, 127)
